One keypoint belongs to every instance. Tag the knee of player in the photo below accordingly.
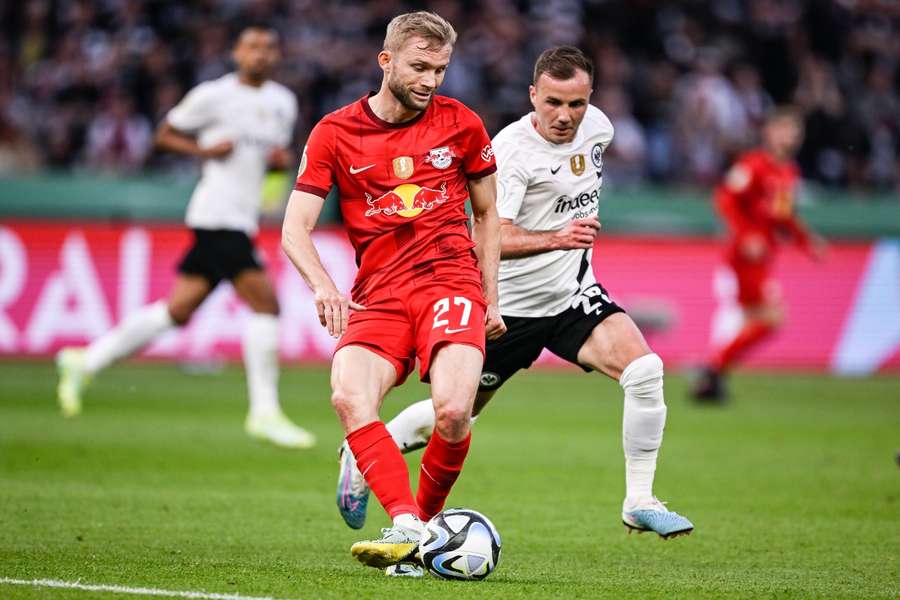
(451, 417)
(346, 402)
(179, 316)
(643, 375)
(776, 316)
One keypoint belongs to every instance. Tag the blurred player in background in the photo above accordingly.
(404, 161)
(550, 172)
(239, 125)
(756, 203)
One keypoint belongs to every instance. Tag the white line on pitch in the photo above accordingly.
(118, 589)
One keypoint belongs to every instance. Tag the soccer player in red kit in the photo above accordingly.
(756, 202)
(404, 161)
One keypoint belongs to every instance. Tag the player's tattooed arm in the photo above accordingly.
(519, 242)
(300, 219)
(486, 234)
(172, 140)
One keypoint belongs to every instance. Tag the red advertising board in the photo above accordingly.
(66, 284)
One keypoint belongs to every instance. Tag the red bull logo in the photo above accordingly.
(406, 200)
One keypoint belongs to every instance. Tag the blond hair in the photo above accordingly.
(428, 25)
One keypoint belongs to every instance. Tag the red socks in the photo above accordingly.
(752, 332)
(380, 462)
(441, 465)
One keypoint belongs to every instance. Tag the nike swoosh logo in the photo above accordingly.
(448, 330)
(554, 171)
(361, 169)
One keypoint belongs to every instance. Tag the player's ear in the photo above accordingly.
(384, 59)
(532, 94)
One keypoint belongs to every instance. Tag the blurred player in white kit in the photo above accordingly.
(240, 125)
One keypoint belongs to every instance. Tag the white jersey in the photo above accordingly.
(257, 120)
(542, 187)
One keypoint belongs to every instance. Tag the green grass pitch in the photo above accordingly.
(794, 490)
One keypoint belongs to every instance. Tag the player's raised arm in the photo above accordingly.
(486, 234)
(300, 219)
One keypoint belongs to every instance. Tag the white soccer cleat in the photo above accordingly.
(405, 570)
(72, 380)
(279, 430)
(652, 515)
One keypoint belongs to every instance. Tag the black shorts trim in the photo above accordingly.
(563, 334)
(219, 254)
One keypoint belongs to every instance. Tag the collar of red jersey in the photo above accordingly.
(387, 124)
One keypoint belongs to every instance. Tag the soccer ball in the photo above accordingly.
(460, 544)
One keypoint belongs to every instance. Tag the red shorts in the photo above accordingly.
(755, 283)
(406, 326)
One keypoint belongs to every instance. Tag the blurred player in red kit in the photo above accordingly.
(404, 161)
(756, 202)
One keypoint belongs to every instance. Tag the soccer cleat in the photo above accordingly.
(652, 515)
(397, 545)
(405, 570)
(72, 380)
(279, 430)
(709, 388)
(352, 490)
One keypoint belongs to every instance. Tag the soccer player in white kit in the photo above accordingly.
(239, 125)
(550, 168)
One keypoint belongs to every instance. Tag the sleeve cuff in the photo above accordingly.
(311, 189)
(483, 172)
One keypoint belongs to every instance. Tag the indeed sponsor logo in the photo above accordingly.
(567, 203)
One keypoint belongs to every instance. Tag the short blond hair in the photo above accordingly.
(428, 25)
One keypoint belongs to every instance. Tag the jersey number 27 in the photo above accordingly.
(442, 308)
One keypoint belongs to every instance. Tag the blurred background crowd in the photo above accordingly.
(84, 82)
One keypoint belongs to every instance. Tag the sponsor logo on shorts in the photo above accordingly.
(489, 379)
(448, 330)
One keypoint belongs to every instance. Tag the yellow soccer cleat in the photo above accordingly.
(279, 430)
(397, 545)
(72, 380)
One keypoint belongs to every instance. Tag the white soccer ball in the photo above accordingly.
(460, 544)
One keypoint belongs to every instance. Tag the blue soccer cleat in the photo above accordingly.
(652, 515)
(352, 490)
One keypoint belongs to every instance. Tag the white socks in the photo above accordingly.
(413, 426)
(642, 424)
(260, 348)
(410, 522)
(132, 334)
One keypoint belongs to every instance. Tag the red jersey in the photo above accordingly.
(757, 198)
(402, 188)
